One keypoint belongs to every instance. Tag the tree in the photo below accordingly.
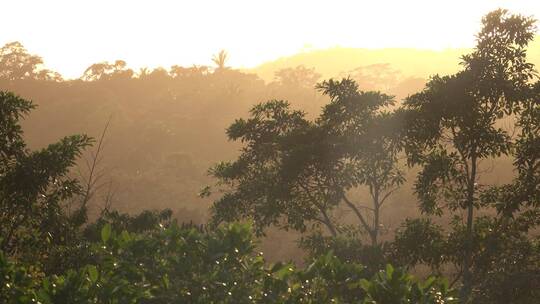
(255, 185)
(363, 130)
(17, 64)
(298, 77)
(379, 76)
(294, 172)
(33, 186)
(506, 246)
(524, 192)
(220, 59)
(106, 70)
(452, 124)
(512, 236)
(191, 72)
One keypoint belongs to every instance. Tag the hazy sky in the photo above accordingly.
(72, 34)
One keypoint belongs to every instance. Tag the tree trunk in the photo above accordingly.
(329, 224)
(376, 220)
(466, 289)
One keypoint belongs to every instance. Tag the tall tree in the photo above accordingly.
(452, 124)
(17, 64)
(361, 130)
(106, 70)
(524, 191)
(33, 186)
(294, 172)
(220, 59)
(298, 77)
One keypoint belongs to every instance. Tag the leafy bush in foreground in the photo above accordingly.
(178, 265)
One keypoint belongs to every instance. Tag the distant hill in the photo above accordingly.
(338, 61)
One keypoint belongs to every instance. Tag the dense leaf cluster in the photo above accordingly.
(184, 265)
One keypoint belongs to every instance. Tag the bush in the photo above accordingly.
(184, 265)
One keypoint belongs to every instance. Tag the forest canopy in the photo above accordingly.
(208, 184)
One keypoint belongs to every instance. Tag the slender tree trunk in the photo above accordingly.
(466, 289)
(363, 221)
(329, 224)
(376, 220)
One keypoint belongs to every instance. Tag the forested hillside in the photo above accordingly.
(166, 126)
(305, 180)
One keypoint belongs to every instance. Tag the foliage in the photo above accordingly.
(362, 131)
(348, 247)
(17, 64)
(523, 193)
(34, 186)
(452, 124)
(220, 59)
(396, 286)
(504, 263)
(105, 70)
(419, 242)
(294, 172)
(188, 266)
(143, 222)
(298, 77)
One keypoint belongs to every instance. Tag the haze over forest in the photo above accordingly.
(357, 155)
(166, 129)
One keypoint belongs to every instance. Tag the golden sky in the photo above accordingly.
(72, 34)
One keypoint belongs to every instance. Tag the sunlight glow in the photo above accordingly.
(72, 34)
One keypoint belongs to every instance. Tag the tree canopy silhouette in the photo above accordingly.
(294, 172)
(452, 123)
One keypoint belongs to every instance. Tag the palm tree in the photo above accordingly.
(220, 59)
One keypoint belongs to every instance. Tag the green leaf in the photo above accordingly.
(389, 271)
(93, 273)
(125, 236)
(366, 285)
(283, 272)
(43, 297)
(106, 233)
(166, 281)
(429, 282)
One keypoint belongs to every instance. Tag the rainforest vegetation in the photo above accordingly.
(208, 184)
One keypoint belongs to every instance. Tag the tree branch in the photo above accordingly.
(358, 213)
